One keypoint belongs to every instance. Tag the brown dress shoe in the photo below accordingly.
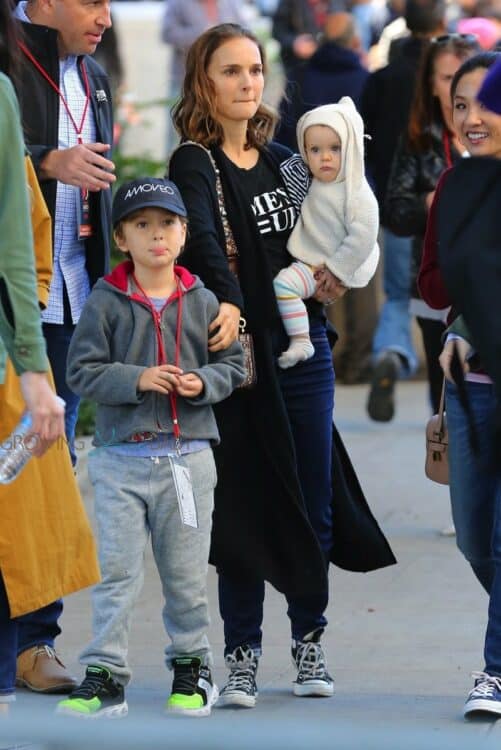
(40, 669)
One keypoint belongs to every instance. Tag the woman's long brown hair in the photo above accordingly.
(425, 108)
(195, 116)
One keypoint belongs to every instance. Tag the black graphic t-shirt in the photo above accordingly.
(274, 212)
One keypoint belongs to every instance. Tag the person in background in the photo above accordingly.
(386, 105)
(463, 222)
(430, 146)
(491, 10)
(484, 29)
(67, 118)
(296, 27)
(334, 70)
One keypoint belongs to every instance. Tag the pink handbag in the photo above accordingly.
(436, 465)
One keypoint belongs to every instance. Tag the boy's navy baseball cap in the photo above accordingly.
(146, 192)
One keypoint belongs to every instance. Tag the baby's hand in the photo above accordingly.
(190, 385)
(318, 271)
(163, 379)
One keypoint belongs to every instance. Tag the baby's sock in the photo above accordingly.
(300, 349)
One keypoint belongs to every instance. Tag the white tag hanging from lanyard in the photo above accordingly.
(184, 491)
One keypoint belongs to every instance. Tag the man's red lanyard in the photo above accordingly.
(53, 84)
(85, 227)
(446, 140)
(157, 316)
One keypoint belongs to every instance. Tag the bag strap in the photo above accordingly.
(441, 409)
(230, 244)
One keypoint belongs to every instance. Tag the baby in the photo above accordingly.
(339, 220)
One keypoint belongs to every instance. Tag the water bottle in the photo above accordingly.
(15, 451)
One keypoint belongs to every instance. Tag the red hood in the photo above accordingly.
(119, 277)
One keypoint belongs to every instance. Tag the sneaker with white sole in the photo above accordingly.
(485, 696)
(241, 688)
(193, 692)
(308, 657)
(98, 697)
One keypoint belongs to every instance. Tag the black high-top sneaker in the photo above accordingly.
(241, 689)
(312, 675)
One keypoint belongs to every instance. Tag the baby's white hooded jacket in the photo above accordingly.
(339, 220)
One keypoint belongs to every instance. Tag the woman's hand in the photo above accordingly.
(329, 288)
(223, 330)
(463, 349)
(47, 412)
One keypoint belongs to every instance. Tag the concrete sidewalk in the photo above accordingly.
(401, 642)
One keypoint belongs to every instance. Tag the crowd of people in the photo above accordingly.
(208, 350)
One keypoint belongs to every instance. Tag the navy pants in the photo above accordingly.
(308, 391)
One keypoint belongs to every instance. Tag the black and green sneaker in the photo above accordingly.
(193, 692)
(99, 696)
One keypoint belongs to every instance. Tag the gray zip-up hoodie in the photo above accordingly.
(116, 340)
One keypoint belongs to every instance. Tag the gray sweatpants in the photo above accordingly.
(133, 498)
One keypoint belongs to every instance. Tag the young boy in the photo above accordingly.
(140, 350)
(338, 225)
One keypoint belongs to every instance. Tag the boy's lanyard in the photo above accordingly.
(85, 228)
(161, 349)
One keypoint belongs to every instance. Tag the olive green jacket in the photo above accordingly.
(20, 328)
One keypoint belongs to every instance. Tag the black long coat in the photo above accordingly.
(260, 527)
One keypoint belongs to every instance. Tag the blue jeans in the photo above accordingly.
(393, 332)
(308, 391)
(475, 487)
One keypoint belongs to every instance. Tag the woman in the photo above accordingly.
(430, 147)
(53, 553)
(475, 479)
(273, 515)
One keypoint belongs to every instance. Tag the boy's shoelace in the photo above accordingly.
(185, 682)
(91, 685)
